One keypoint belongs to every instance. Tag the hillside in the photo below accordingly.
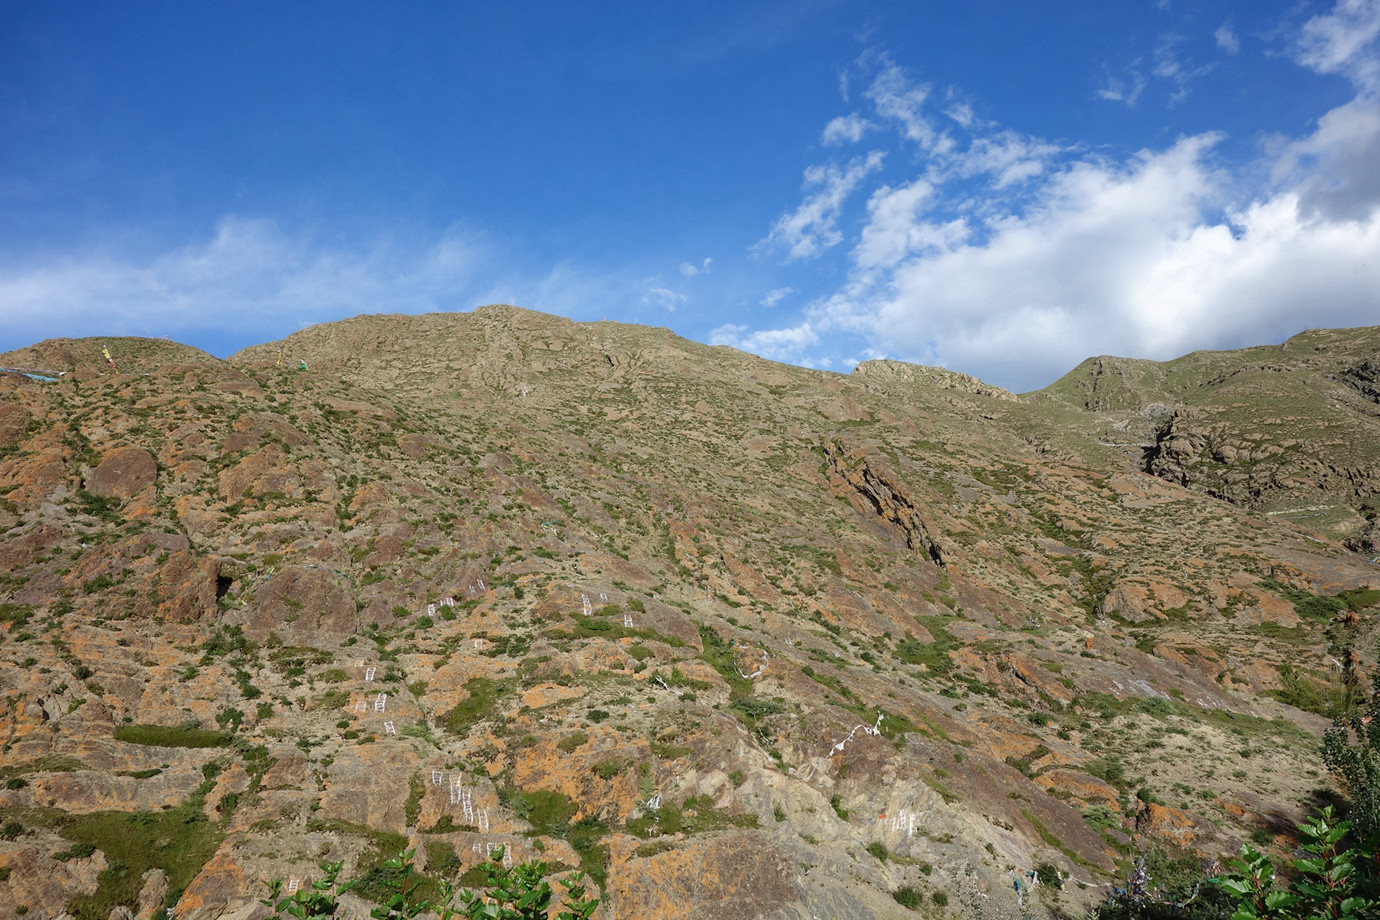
(739, 638)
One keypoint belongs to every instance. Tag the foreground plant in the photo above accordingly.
(318, 901)
(1325, 885)
(520, 893)
(402, 903)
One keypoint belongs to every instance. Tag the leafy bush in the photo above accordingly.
(909, 897)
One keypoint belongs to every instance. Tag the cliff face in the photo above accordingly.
(742, 639)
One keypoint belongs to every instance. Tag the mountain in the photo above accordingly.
(738, 638)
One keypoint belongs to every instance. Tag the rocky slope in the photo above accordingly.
(741, 639)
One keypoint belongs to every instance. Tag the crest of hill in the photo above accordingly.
(1291, 429)
(943, 378)
(509, 349)
(781, 557)
(131, 355)
(1112, 384)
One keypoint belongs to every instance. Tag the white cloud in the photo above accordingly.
(902, 102)
(1226, 39)
(774, 344)
(1337, 169)
(1127, 91)
(690, 270)
(846, 129)
(250, 276)
(1173, 66)
(1343, 42)
(775, 296)
(1012, 258)
(1120, 260)
(665, 298)
(962, 112)
(811, 228)
(895, 229)
(1008, 156)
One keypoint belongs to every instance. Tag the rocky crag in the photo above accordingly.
(739, 639)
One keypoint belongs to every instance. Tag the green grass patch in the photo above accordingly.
(179, 841)
(481, 704)
(933, 655)
(182, 736)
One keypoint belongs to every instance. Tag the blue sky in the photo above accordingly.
(1003, 188)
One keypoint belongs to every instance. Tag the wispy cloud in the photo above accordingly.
(1014, 258)
(1127, 90)
(248, 276)
(846, 129)
(664, 298)
(775, 296)
(1226, 39)
(250, 280)
(901, 101)
(788, 345)
(1343, 42)
(812, 227)
(690, 270)
(1173, 65)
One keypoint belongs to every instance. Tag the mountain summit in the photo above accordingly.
(737, 638)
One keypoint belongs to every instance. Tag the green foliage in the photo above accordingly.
(1321, 606)
(75, 851)
(608, 769)
(909, 897)
(935, 656)
(548, 812)
(179, 841)
(1309, 694)
(226, 640)
(184, 736)
(318, 901)
(481, 704)
(402, 901)
(1325, 878)
(520, 893)
(1351, 751)
(1109, 769)
(99, 506)
(572, 741)
(1048, 875)
(878, 850)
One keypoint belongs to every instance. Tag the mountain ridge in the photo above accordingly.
(676, 573)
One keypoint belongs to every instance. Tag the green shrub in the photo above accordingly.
(907, 896)
(570, 742)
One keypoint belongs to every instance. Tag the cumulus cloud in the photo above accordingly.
(1337, 168)
(1343, 42)
(1014, 259)
(788, 345)
(812, 227)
